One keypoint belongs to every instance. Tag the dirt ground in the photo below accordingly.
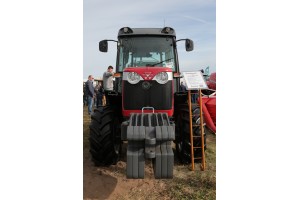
(111, 182)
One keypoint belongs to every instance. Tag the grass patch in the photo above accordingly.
(196, 184)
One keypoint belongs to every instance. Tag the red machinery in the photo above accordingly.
(209, 104)
(209, 112)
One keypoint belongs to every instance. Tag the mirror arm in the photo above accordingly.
(112, 40)
(180, 40)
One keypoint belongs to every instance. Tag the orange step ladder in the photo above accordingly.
(201, 129)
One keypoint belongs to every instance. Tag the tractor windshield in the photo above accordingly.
(146, 51)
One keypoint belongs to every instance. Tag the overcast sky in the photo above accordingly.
(195, 20)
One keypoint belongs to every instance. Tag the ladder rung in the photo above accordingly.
(197, 158)
(199, 125)
(196, 136)
(197, 147)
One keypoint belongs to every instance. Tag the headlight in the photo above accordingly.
(161, 77)
(133, 77)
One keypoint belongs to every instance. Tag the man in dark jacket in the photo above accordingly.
(182, 87)
(84, 95)
(99, 94)
(89, 88)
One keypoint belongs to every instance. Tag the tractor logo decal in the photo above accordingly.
(147, 75)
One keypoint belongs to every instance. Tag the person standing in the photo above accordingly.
(182, 87)
(108, 83)
(84, 95)
(89, 88)
(99, 94)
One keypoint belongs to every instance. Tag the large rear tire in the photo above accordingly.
(183, 144)
(105, 132)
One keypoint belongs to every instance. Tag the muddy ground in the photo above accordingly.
(111, 182)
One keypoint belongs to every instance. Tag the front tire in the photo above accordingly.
(183, 144)
(105, 132)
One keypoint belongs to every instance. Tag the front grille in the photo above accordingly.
(158, 96)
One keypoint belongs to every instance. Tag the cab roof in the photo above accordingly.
(127, 31)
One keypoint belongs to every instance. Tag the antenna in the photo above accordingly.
(164, 23)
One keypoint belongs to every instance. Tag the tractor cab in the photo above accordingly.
(146, 61)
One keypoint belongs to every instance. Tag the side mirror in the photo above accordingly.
(103, 46)
(189, 45)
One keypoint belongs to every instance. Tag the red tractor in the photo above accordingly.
(146, 108)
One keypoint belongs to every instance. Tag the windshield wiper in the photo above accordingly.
(161, 62)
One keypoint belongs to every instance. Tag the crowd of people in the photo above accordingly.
(93, 96)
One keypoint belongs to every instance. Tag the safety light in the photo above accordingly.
(126, 30)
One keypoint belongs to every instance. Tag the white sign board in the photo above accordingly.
(194, 80)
